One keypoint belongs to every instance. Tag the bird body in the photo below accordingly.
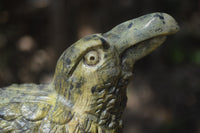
(88, 91)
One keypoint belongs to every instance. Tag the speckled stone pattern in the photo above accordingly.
(88, 91)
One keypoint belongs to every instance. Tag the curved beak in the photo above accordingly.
(138, 37)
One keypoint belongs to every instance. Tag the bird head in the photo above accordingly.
(93, 73)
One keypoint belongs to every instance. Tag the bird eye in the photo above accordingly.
(91, 58)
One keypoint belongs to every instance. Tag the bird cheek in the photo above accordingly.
(109, 75)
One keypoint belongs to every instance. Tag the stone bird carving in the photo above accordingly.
(88, 91)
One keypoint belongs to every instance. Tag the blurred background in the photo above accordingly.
(164, 94)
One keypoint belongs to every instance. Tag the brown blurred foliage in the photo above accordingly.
(164, 94)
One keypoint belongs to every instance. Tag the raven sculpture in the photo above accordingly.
(88, 91)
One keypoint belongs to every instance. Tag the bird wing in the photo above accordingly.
(23, 107)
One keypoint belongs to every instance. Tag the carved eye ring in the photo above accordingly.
(91, 58)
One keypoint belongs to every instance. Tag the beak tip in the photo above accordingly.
(172, 25)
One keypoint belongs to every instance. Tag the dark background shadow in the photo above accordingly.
(164, 94)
